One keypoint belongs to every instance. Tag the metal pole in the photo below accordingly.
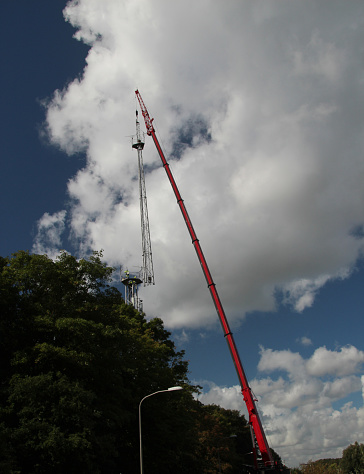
(170, 389)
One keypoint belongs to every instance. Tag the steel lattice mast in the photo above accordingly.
(254, 418)
(147, 272)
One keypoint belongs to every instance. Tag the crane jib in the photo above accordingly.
(254, 419)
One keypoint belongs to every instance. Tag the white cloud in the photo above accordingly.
(181, 337)
(346, 361)
(227, 397)
(305, 415)
(274, 182)
(320, 58)
(272, 100)
(49, 234)
(301, 293)
(305, 341)
(290, 362)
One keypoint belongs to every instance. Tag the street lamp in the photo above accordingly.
(170, 389)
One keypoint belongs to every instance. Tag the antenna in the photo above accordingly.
(146, 272)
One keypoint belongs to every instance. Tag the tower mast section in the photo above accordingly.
(254, 418)
(147, 272)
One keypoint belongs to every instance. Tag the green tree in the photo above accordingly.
(353, 459)
(321, 466)
(76, 361)
(224, 439)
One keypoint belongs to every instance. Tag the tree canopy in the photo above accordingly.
(75, 363)
(351, 462)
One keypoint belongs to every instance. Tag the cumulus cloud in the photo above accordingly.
(227, 397)
(305, 341)
(48, 239)
(320, 58)
(181, 337)
(259, 107)
(348, 360)
(301, 293)
(261, 112)
(303, 407)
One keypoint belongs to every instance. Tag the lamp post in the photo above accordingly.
(170, 389)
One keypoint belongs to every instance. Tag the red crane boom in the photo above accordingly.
(254, 419)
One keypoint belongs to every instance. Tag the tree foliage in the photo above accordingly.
(353, 459)
(76, 361)
(224, 441)
(352, 462)
(321, 466)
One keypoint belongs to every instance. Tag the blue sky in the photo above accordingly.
(38, 55)
(264, 105)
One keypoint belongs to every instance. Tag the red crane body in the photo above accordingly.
(254, 419)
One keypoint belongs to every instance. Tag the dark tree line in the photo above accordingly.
(76, 361)
(351, 462)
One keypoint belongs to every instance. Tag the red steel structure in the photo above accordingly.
(267, 462)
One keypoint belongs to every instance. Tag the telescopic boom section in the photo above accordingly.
(254, 418)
